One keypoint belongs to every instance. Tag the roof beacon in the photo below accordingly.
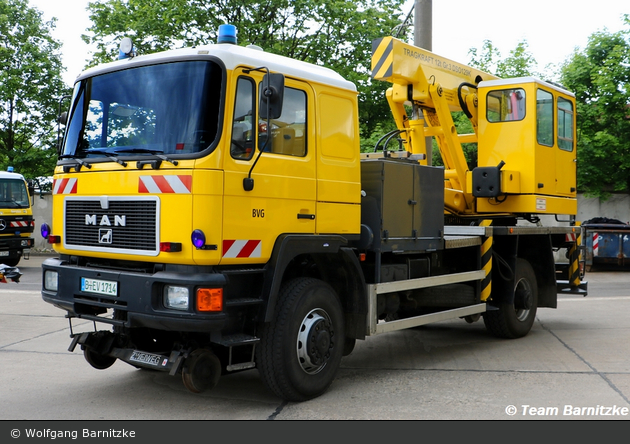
(126, 50)
(227, 34)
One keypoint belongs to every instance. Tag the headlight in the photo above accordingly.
(51, 279)
(176, 297)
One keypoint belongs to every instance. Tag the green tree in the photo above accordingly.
(599, 75)
(333, 33)
(30, 85)
(519, 63)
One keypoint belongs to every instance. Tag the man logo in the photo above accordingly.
(119, 221)
(105, 236)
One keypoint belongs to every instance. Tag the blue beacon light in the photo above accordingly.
(198, 239)
(227, 34)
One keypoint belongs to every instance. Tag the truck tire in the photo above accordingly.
(301, 349)
(10, 262)
(515, 320)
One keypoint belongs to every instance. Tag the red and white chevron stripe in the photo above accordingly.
(595, 244)
(571, 237)
(242, 248)
(65, 186)
(22, 223)
(165, 184)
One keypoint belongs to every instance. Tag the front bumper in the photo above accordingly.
(138, 302)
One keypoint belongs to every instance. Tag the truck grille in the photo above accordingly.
(129, 225)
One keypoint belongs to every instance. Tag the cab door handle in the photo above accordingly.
(306, 216)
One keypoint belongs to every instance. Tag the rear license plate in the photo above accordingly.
(109, 288)
(4, 253)
(148, 358)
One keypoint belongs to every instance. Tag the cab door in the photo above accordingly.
(279, 156)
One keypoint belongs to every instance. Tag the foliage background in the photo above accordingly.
(333, 33)
(30, 85)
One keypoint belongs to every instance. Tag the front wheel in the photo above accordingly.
(515, 320)
(301, 348)
(11, 262)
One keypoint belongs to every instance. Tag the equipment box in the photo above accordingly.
(403, 205)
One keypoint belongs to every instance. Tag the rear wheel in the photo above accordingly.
(515, 320)
(301, 348)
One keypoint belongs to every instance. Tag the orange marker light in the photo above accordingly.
(210, 299)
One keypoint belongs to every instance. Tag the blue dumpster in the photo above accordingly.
(607, 243)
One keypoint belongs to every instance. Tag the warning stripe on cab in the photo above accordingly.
(22, 223)
(165, 184)
(65, 186)
(242, 248)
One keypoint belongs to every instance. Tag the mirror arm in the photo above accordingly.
(248, 182)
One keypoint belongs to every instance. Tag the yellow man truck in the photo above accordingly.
(213, 212)
(16, 218)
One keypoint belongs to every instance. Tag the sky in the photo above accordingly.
(553, 29)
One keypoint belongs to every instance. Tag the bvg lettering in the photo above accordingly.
(105, 221)
(258, 212)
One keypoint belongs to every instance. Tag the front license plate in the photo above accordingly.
(109, 288)
(4, 253)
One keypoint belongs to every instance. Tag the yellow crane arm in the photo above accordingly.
(434, 87)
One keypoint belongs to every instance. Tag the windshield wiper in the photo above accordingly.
(109, 156)
(79, 163)
(140, 164)
(14, 202)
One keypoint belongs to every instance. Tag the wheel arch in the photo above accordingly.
(538, 251)
(326, 258)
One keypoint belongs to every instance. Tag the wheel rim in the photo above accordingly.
(316, 339)
(523, 298)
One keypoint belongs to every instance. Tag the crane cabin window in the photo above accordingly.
(506, 105)
(565, 124)
(544, 117)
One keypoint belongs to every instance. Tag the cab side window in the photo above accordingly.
(544, 117)
(288, 133)
(565, 124)
(506, 105)
(243, 128)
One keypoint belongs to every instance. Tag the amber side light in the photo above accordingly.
(210, 299)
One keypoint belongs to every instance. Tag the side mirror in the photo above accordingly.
(271, 97)
(63, 118)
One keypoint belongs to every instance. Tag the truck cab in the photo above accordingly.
(16, 219)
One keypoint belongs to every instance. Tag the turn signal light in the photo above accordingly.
(210, 299)
(53, 239)
(170, 247)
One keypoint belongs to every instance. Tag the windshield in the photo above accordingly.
(13, 194)
(173, 108)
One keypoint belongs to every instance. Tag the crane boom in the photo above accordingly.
(427, 88)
